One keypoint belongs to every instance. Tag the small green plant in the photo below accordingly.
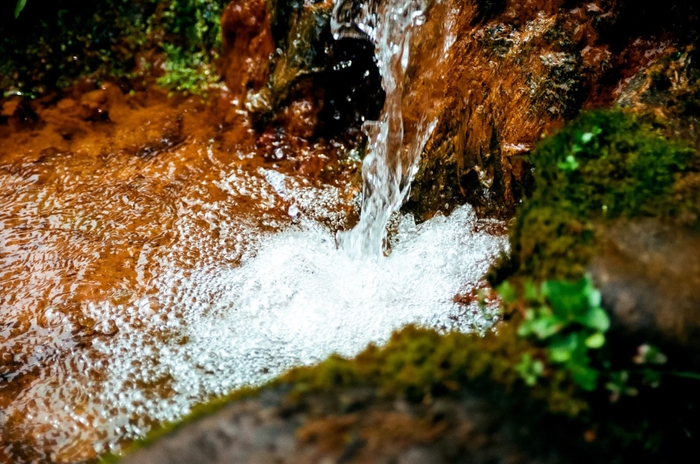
(189, 73)
(565, 318)
(530, 369)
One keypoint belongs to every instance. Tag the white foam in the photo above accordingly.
(295, 300)
(280, 300)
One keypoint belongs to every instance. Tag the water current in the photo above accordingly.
(153, 263)
(392, 158)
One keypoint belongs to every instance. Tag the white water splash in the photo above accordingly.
(259, 303)
(242, 309)
(294, 300)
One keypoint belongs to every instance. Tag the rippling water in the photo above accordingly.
(145, 269)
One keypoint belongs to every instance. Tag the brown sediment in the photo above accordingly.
(93, 180)
(92, 185)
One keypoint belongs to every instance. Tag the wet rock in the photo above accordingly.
(518, 70)
(283, 67)
(315, 429)
(648, 272)
(647, 269)
(248, 44)
(303, 55)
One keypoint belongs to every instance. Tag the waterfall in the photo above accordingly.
(393, 151)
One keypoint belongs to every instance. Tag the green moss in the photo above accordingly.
(604, 165)
(54, 43)
(419, 363)
(552, 243)
(187, 72)
(607, 164)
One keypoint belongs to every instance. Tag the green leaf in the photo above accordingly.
(595, 341)
(594, 298)
(560, 354)
(541, 326)
(568, 165)
(564, 347)
(595, 318)
(652, 377)
(585, 377)
(530, 370)
(686, 375)
(20, 6)
(567, 298)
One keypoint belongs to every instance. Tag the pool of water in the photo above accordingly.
(158, 260)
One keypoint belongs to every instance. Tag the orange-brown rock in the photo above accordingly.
(519, 71)
(248, 45)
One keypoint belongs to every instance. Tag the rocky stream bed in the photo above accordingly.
(173, 175)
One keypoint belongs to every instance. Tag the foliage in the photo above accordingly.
(193, 26)
(186, 72)
(110, 39)
(567, 320)
(20, 6)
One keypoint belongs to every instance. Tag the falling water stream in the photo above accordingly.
(137, 283)
(392, 159)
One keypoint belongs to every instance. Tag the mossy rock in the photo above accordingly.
(419, 367)
(605, 165)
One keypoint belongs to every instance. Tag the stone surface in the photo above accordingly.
(649, 275)
(518, 70)
(352, 427)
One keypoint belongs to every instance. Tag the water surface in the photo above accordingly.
(157, 260)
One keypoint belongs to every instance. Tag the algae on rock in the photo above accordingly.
(109, 40)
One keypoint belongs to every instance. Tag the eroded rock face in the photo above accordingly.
(512, 71)
(283, 67)
(519, 70)
(248, 44)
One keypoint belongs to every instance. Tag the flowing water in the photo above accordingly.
(393, 155)
(155, 261)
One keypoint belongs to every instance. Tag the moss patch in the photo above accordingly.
(53, 43)
(604, 165)
(419, 364)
